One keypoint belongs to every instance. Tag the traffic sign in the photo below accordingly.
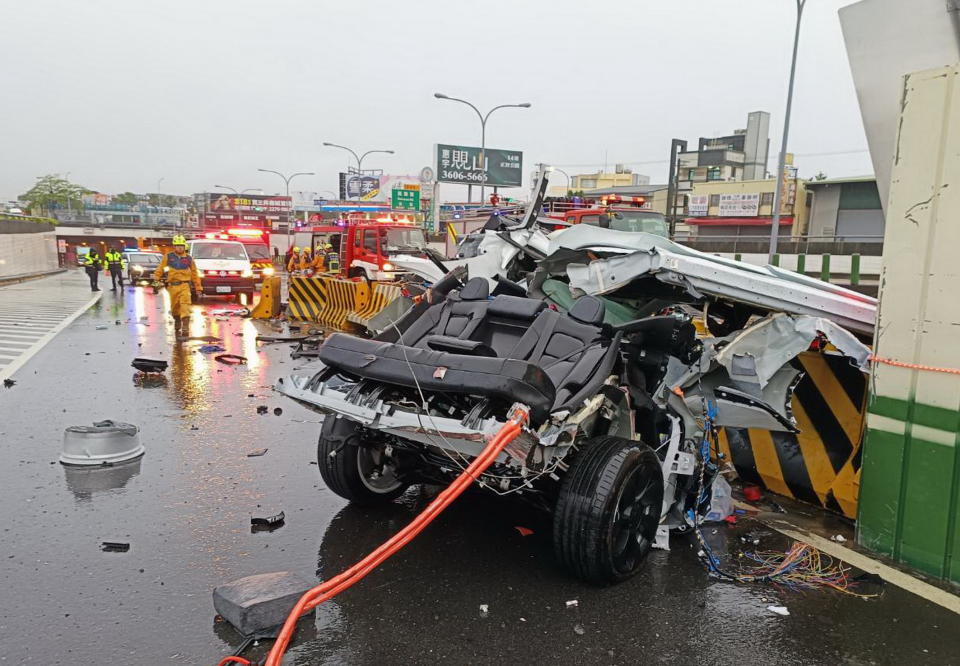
(407, 198)
(463, 164)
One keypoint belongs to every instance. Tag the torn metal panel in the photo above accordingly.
(756, 353)
(729, 280)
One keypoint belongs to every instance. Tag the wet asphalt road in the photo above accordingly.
(185, 508)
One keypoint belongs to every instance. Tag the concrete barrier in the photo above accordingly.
(382, 295)
(268, 306)
(341, 300)
(306, 298)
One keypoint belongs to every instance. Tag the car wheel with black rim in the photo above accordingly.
(608, 510)
(355, 468)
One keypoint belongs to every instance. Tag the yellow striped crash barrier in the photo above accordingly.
(382, 295)
(821, 463)
(307, 298)
(342, 299)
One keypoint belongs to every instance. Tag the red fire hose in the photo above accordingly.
(331, 588)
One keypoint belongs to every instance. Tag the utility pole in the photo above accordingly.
(357, 157)
(781, 162)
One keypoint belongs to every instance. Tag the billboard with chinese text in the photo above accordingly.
(739, 205)
(462, 164)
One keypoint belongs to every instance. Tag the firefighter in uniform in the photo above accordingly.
(332, 258)
(180, 272)
(306, 260)
(319, 261)
(293, 263)
(92, 263)
(116, 263)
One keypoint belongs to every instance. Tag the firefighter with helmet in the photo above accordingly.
(332, 259)
(319, 260)
(293, 263)
(180, 272)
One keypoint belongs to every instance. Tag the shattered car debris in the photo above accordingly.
(629, 351)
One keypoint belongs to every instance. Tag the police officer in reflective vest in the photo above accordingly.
(92, 263)
(117, 264)
(180, 272)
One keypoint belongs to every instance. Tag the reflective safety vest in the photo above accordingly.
(93, 260)
(114, 259)
(333, 262)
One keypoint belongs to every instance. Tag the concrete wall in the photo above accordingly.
(910, 485)
(27, 253)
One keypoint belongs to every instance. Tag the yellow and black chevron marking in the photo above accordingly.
(821, 463)
(383, 294)
(307, 298)
(341, 301)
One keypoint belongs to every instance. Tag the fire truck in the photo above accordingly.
(619, 213)
(367, 247)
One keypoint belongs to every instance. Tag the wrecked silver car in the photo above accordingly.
(629, 352)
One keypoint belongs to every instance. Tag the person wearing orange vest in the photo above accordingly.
(180, 272)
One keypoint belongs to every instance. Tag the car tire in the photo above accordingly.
(348, 465)
(608, 510)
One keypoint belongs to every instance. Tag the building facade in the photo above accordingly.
(744, 208)
(846, 209)
(739, 156)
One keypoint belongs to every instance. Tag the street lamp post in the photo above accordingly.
(565, 174)
(781, 162)
(234, 190)
(286, 182)
(483, 130)
(357, 157)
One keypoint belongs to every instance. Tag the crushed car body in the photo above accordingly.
(629, 351)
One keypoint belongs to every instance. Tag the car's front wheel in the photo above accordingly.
(357, 470)
(608, 510)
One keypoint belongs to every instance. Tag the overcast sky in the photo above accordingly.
(122, 93)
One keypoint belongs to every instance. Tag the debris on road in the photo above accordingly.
(115, 546)
(839, 538)
(256, 453)
(210, 349)
(231, 359)
(752, 493)
(484, 610)
(779, 610)
(524, 531)
(579, 630)
(102, 327)
(271, 522)
(103, 443)
(277, 411)
(149, 364)
(205, 338)
(8, 383)
(258, 605)
(573, 603)
(262, 409)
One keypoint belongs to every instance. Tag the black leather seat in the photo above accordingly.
(510, 348)
(507, 379)
(457, 316)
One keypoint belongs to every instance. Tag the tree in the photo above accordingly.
(128, 198)
(820, 176)
(52, 191)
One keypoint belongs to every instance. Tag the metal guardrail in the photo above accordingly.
(871, 246)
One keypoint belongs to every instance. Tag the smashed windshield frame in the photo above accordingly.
(412, 239)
